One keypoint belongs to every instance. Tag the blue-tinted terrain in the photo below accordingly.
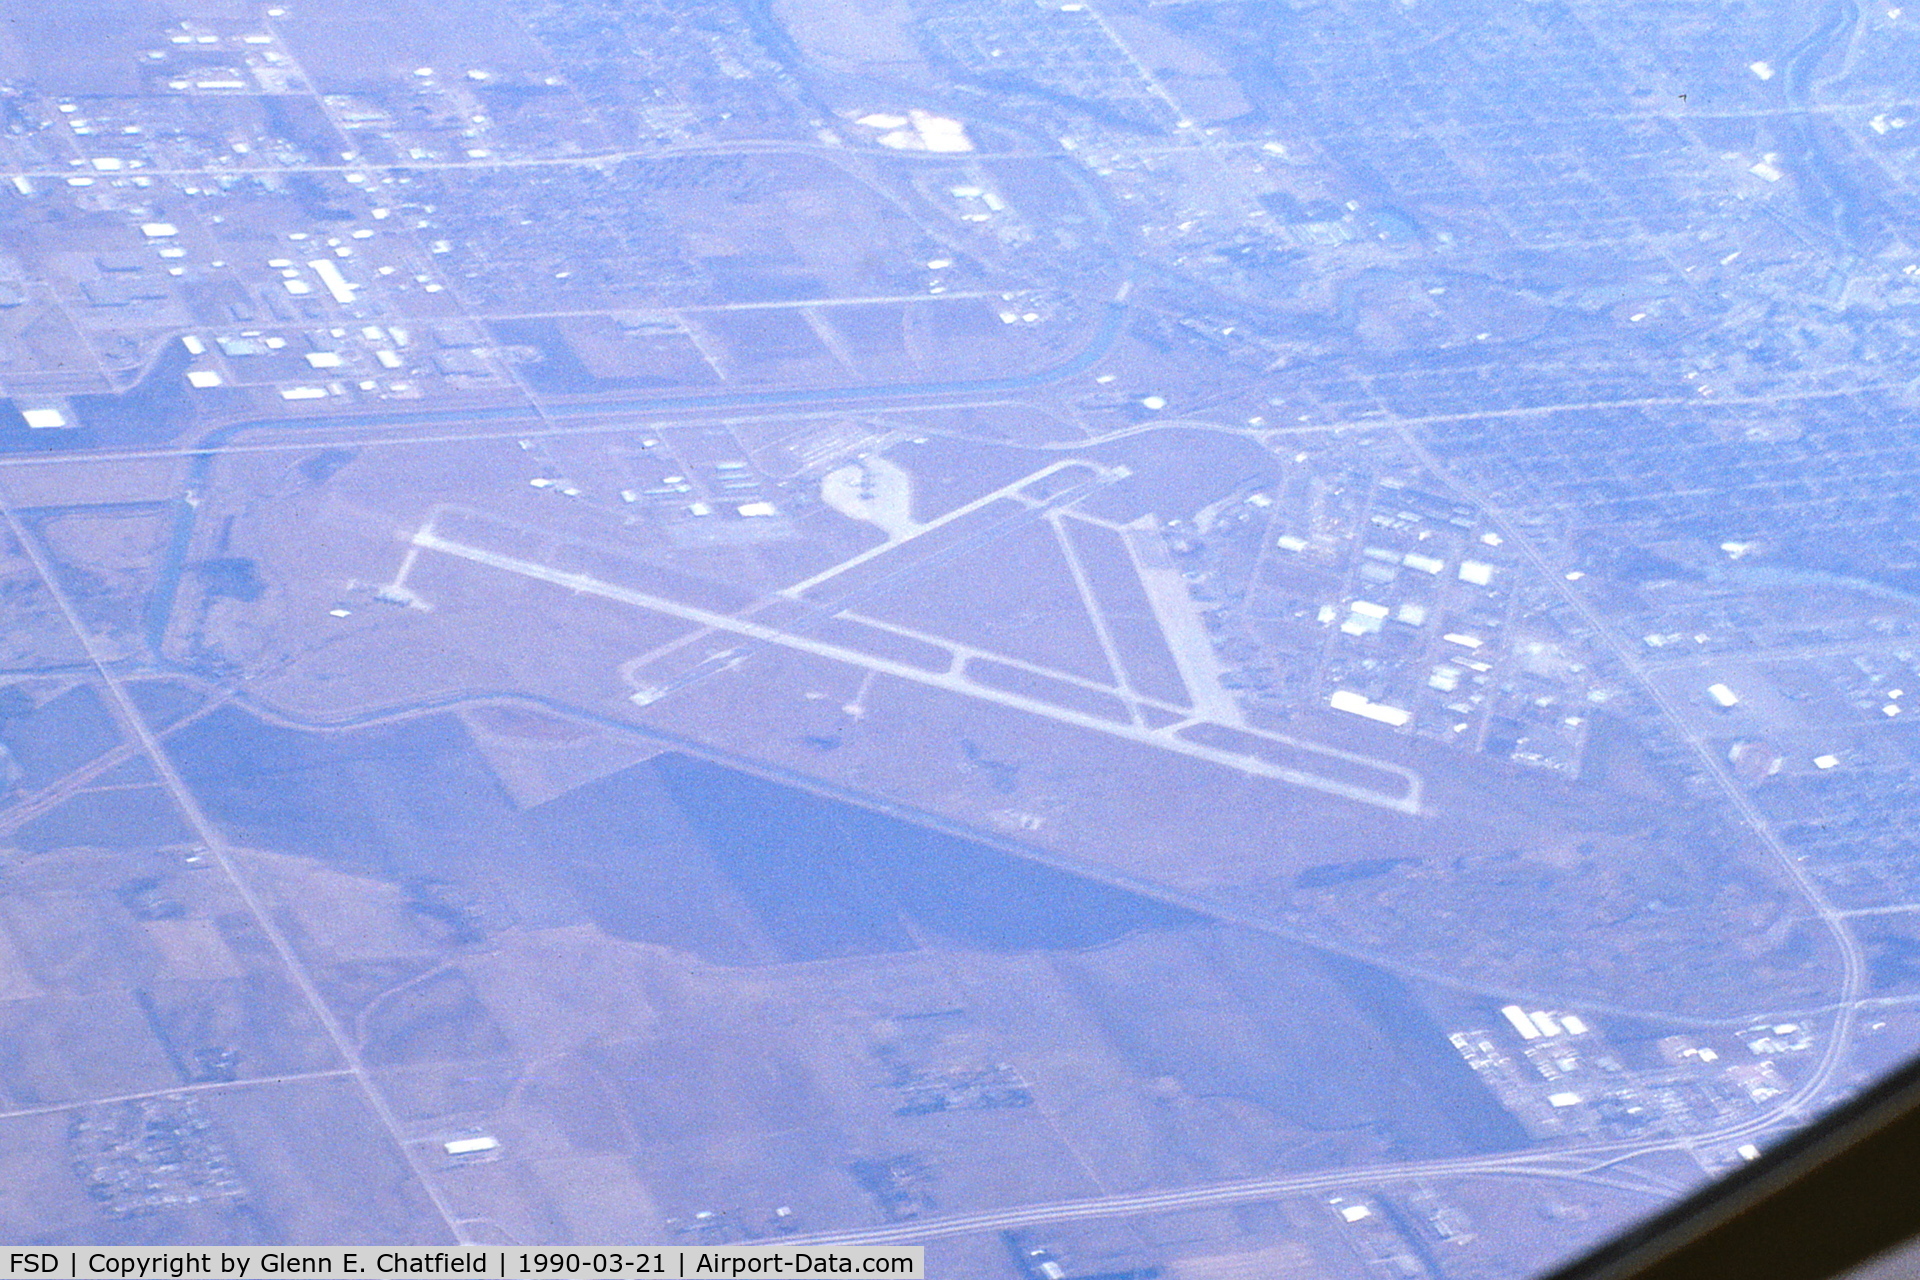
(1120, 639)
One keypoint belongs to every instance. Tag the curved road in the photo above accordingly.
(1566, 1163)
(1582, 1164)
(207, 450)
(1249, 1190)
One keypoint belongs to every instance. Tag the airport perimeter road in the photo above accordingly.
(1853, 960)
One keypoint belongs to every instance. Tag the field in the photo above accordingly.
(574, 977)
(880, 614)
(1013, 654)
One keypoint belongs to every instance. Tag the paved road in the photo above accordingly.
(949, 681)
(1561, 1166)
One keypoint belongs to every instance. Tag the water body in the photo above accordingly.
(172, 564)
(155, 412)
(1832, 197)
